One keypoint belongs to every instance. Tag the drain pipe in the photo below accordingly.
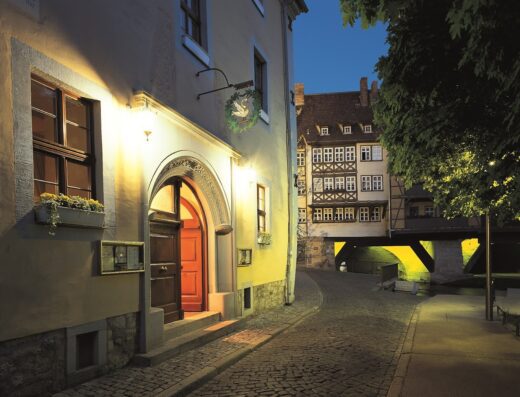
(289, 292)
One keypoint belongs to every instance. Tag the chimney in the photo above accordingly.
(363, 91)
(299, 99)
(373, 92)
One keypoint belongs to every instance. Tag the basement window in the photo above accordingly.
(247, 298)
(86, 350)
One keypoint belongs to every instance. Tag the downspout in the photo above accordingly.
(289, 293)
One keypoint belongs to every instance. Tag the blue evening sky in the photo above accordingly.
(329, 57)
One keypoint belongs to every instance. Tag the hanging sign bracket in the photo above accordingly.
(236, 86)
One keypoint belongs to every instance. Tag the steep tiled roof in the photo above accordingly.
(333, 110)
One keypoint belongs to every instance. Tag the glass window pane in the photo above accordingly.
(78, 175)
(43, 98)
(45, 167)
(42, 187)
(79, 192)
(78, 138)
(164, 200)
(76, 112)
(44, 126)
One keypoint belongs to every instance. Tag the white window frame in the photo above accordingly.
(377, 183)
(350, 214)
(328, 184)
(317, 185)
(339, 183)
(317, 215)
(317, 155)
(367, 128)
(328, 155)
(377, 153)
(350, 153)
(339, 154)
(338, 214)
(366, 183)
(324, 131)
(364, 214)
(300, 158)
(347, 129)
(375, 215)
(365, 153)
(429, 211)
(350, 183)
(301, 186)
(302, 215)
(328, 214)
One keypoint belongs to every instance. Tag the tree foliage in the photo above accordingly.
(450, 98)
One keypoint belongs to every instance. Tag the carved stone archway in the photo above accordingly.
(193, 169)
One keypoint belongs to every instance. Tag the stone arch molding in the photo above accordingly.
(196, 171)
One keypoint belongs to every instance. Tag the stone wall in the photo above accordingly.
(449, 264)
(33, 365)
(36, 365)
(269, 295)
(319, 253)
(122, 339)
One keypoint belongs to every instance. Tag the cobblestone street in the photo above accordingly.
(346, 349)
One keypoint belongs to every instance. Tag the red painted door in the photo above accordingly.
(192, 270)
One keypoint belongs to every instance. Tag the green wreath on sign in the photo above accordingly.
(243, 110)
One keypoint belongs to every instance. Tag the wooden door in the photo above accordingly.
(192, 273)
(165, 269)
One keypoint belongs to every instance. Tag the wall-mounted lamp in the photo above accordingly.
(147, 119)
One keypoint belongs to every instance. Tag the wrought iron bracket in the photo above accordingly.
(236, 86)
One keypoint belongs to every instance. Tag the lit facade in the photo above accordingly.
(81, 84)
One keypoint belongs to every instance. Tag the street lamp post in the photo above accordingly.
(489, 294)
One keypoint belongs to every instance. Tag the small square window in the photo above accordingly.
(261, 79)
(366, 153)
(327, 214)
(347, 129)
(349, 214)
(316, 155)
(364, 214)
(324, 130)
(375, 216)
(300, 158)
(429, 212)
(367, 129)
(302, 215)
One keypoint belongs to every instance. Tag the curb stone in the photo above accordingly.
(403, 355)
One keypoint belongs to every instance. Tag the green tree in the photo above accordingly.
(450, 98)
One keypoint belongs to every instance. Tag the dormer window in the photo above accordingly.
(324, 130)
(367, 128)
(347, 129)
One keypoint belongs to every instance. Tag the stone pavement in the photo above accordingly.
(349, 348)
(188, 370)
(451, 350)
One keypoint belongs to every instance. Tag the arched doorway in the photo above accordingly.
(187, 185)
(177, 251)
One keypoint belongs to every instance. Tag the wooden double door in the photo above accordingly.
(177, 261)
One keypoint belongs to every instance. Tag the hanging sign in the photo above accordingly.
(242, 110)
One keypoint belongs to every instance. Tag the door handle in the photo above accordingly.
(163, 268)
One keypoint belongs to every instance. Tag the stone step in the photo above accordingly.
(189, 341)
(189, 324)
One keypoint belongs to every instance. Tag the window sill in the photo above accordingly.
(264, 116)
(71, 217)
(259, 7)
(193, 47)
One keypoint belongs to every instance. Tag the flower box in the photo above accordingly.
(70, 217)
